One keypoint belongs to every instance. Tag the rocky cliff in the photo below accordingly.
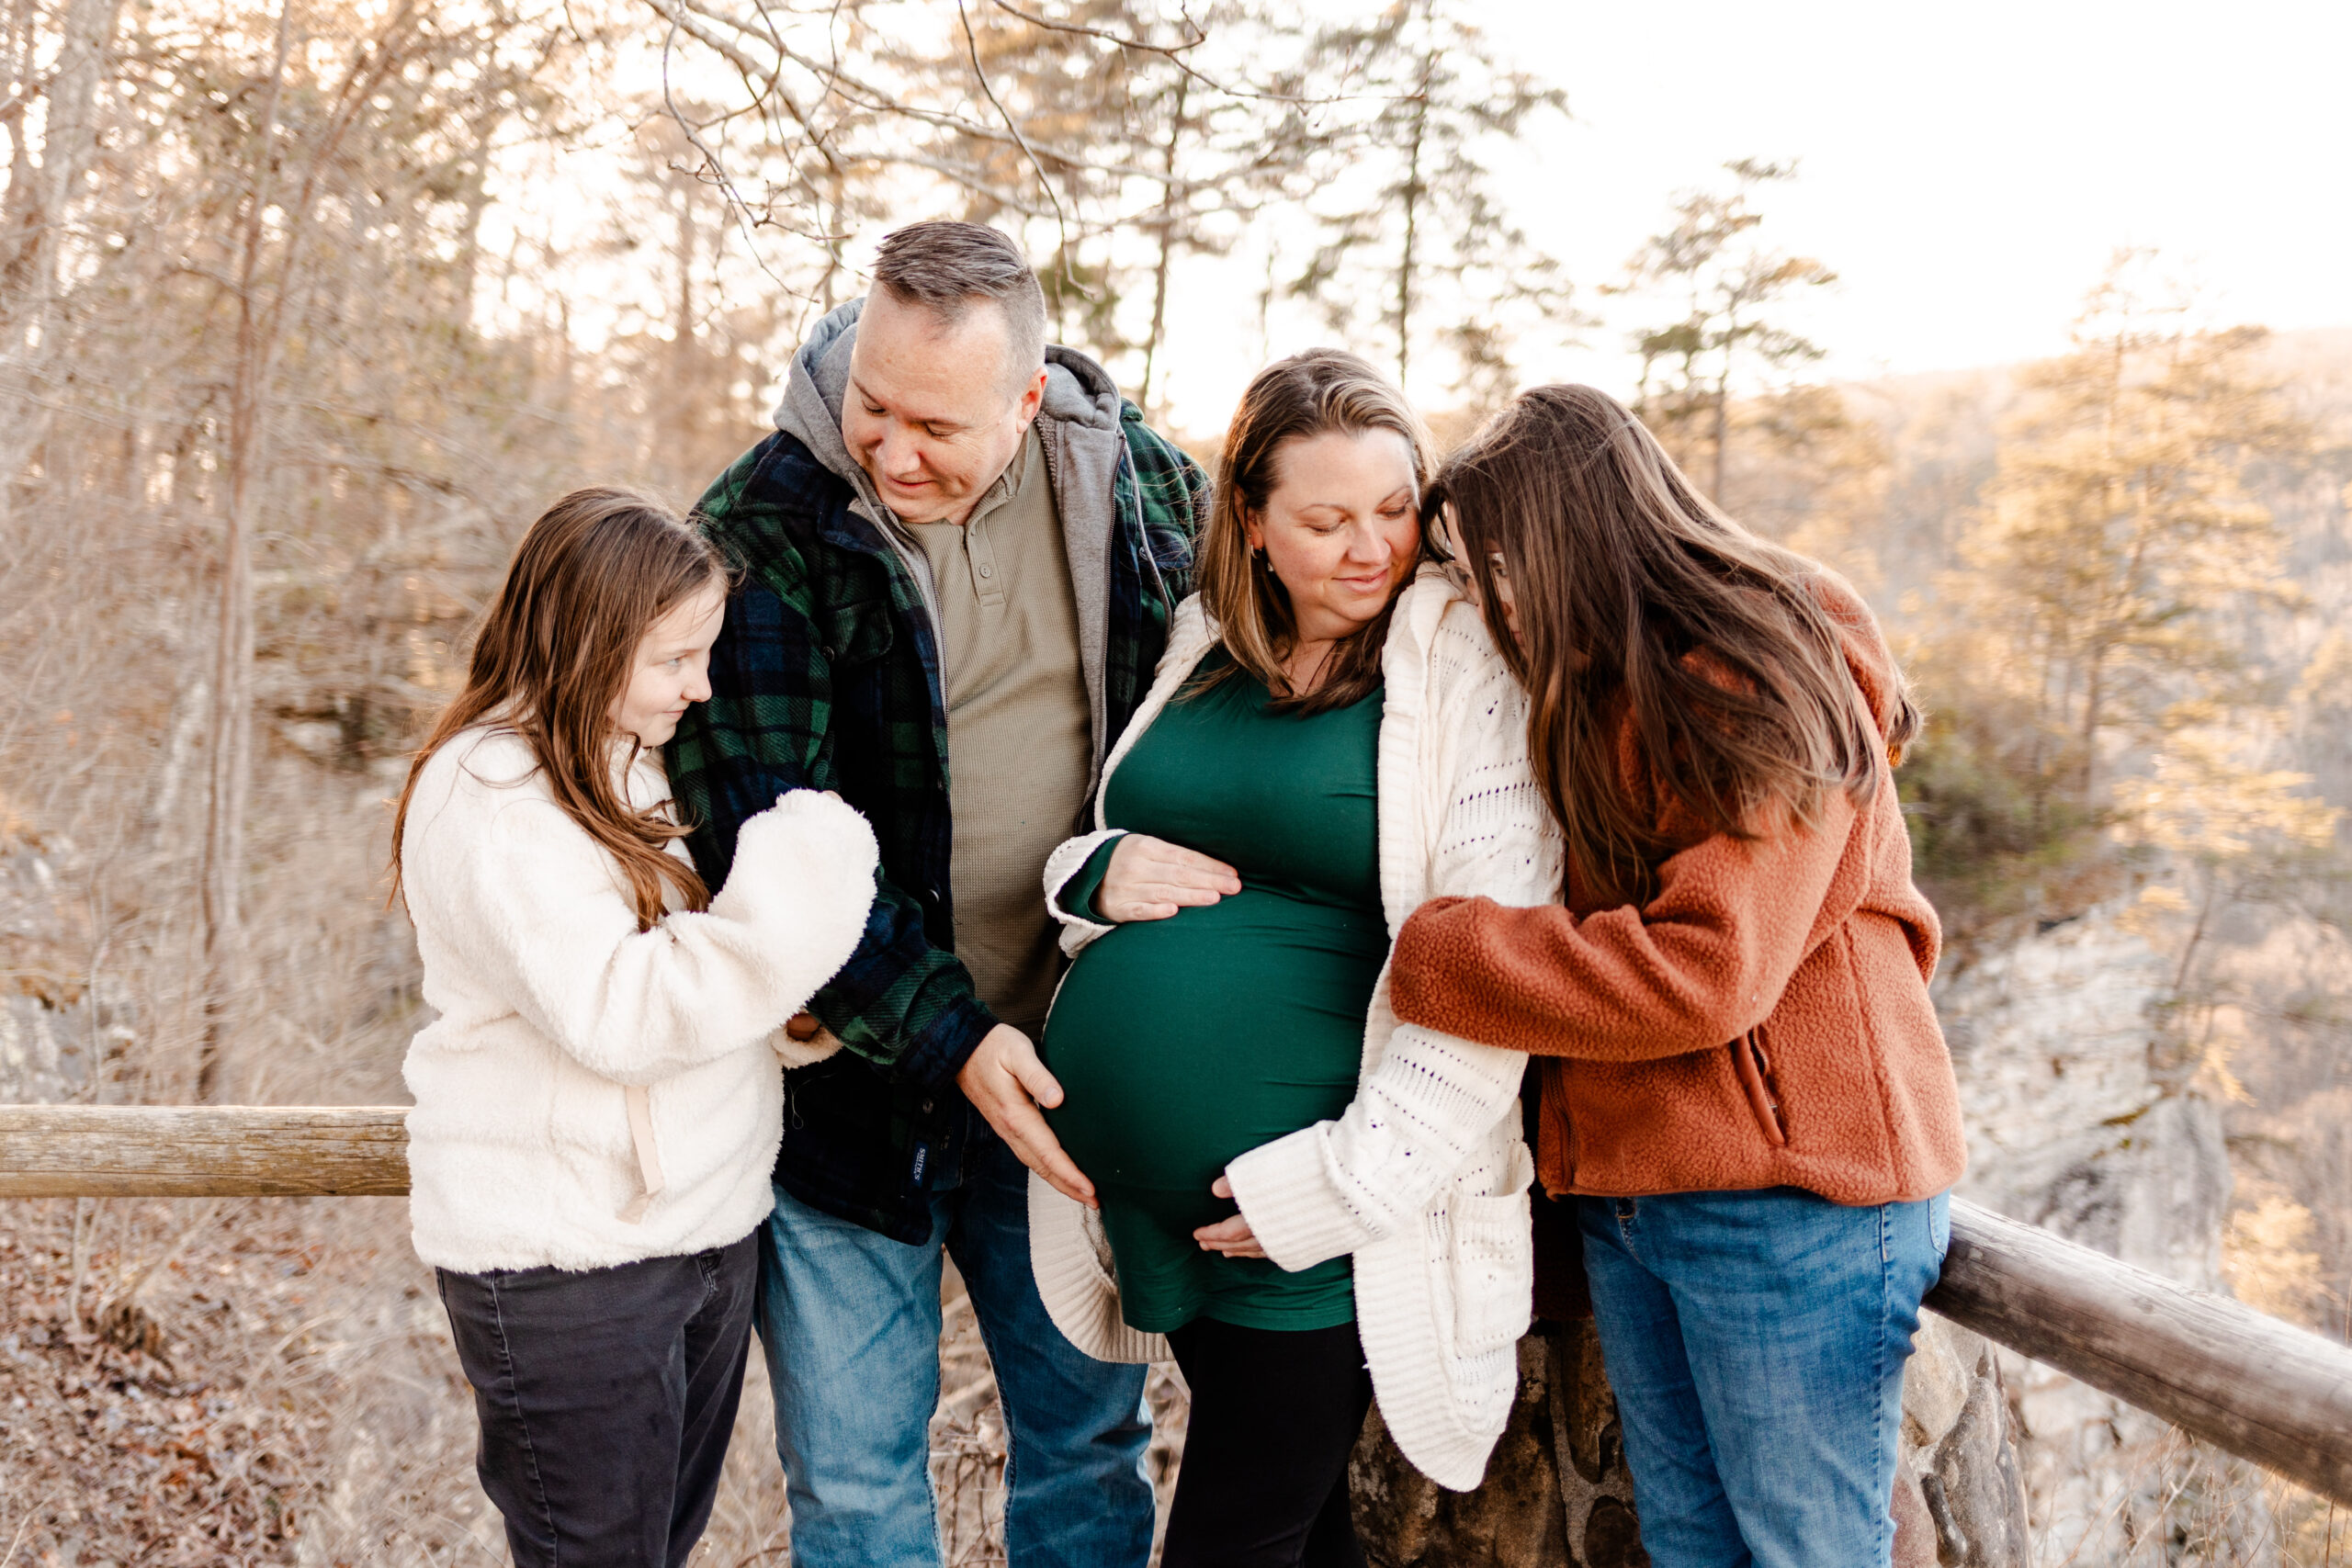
(2082, 1119)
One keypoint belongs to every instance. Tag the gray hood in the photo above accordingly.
(1077, 424)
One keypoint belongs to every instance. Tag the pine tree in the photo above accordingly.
(2118, 533)
(1416, 249)
(1726, 286)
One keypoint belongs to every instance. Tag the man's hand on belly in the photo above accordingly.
(1006, 1083)
(1150, 879)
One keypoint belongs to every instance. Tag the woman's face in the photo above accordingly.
(1449, 535)
(1341, 528)
(671, 669)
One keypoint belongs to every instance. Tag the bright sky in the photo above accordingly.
(1965, 169)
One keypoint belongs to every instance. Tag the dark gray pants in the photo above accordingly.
(607, 1399)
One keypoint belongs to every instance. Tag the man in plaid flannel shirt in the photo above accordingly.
(928, 440)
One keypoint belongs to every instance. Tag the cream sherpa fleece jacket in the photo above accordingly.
(1424, 1177)
(592, 1094)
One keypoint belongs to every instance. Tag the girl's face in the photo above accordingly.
(1449, 533)
(1341, 528)
(671, 669)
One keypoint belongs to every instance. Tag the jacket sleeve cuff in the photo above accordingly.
(1435, 947)
(942, 1048)
(1295, 1209)
(1064, 868)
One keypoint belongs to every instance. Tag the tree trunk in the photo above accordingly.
(1164, 233)
(34, 324)
(230, 781)
(1407, 260)
(2094, 715)
(834, 184)
(1723, 434)
(1731, 332)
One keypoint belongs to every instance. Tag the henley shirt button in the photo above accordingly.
(987, 572)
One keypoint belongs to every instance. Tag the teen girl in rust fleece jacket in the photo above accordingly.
(1743, 1091)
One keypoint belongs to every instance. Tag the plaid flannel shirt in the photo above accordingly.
(826, 676)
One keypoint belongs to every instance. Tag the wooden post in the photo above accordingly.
(2261, 1389)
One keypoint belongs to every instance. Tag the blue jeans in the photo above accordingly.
(849, 1321)
(1756, 1342)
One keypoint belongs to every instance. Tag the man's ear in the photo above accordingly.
(1033, 398)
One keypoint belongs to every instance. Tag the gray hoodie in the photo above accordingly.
(1078, 425)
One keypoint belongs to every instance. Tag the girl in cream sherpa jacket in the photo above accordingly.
(592, 1094)
(1424, 1179)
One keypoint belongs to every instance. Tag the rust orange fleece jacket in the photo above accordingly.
(1763, 1022)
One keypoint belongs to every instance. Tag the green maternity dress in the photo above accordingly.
(1181, 1044)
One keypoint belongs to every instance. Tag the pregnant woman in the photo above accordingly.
(1323, 746)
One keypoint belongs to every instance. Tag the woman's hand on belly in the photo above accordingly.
(1233, 1237)
(1150, 879)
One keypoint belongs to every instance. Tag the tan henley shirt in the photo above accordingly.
(1019, 727)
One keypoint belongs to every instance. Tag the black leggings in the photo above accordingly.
(1275, 1413)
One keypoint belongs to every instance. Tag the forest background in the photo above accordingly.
(307, 308)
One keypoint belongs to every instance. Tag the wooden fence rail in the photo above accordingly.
(203, 1151)
(2252, 1385)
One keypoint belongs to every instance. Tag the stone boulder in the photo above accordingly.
(1557, 1490)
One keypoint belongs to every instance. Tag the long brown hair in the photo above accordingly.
(1640, 605)
(555, 650)
(1307, 395)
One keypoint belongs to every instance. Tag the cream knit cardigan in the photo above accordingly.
(592, 1094)
(1424, 1177)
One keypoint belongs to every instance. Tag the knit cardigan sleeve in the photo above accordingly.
(539, 913)
(1431, 1103)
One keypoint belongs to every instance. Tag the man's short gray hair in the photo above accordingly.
(944, 266)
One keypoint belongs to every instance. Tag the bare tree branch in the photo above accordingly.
(972, 47)
(735, 204)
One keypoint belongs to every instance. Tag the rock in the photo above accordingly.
(1958, 1502)
(1937, 1380)
(1406, 1520)
(2081, 1118)
(45, 1049)
(1972, 1485)
(1556, 1490)
(1916, 1537)
(1597, 1490)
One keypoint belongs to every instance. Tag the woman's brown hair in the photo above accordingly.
(1309, 394)
(556, 650)
(1640, 605)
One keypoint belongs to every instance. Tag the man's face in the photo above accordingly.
(933, 414)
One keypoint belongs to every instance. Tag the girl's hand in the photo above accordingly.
(1150, 879)
(1232, 1238)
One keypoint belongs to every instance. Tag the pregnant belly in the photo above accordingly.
(1182, 1042)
